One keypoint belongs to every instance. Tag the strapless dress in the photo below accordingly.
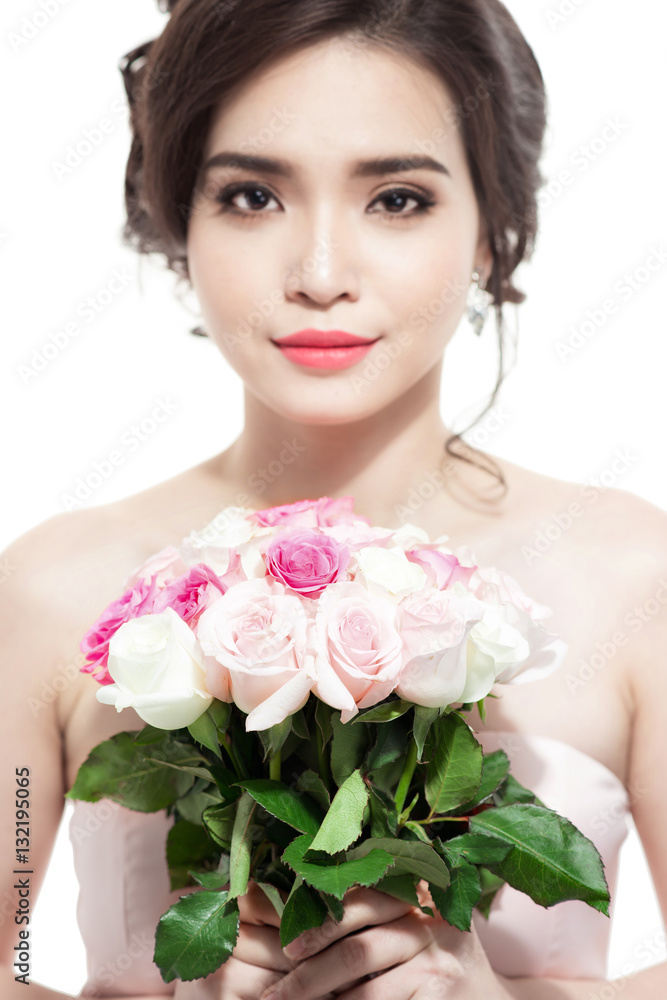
(119, 860)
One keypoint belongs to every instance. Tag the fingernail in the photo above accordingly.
(295, 949)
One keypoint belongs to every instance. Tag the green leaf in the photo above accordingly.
(342, 823)
(187, 846)
(336, 876)
(273, 738)
(385, 712)
(333, 905)
(458, 901)
(192, 805)
(211, 880)
(410, 856)
(220, 712)
(300, 725)
(274, 896)
(239, 855)
(196, 935)
(552, 861)
(304, 909)
(297, 810)
(119, 769)
(418, 830)
(390, 744)
(347, 749)
(323, 715)
(476, 848)
(312, 784)
(149, 734)
(204, 731)
(454, 772)
(511, 792)
(219, 821)
(403, 887)
(495, 769)
(424, 719)
(491, 885)
(384, 821)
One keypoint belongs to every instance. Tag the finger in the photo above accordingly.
(237, 980)
(256, 908)
(260, 945)
(355, 956)
(362, 908)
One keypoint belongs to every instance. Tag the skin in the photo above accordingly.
(326, 245)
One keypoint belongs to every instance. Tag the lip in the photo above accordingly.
(323, 338)
(327, 357)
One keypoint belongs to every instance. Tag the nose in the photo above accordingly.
(327, 270)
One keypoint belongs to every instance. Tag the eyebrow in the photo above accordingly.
(376, 167)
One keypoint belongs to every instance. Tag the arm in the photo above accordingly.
(32, 634)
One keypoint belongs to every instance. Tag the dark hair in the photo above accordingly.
(209, 46)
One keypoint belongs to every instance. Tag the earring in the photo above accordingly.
(199, 331)
(477, 304)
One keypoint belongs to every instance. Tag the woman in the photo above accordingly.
(365, 168)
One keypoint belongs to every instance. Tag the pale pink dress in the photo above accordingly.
(124, 886)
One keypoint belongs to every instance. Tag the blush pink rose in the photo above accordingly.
(306, 561)
(443, 569)
(190, 594)
(166, 564)
(254, 638)
(321, 513)
(357, 648)
(137, 600)
(435, 625)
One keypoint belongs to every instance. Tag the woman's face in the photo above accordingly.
(320, 243)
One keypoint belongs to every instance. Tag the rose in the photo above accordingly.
(322, 513)
(443, 569)
(137, 600)
(357, 648)
(190, 594)
(157, 667)
(511, 635)
(387, 572)
(231, 530)
(306, 561)
(435, 625)
(165, 564)
(254, 636)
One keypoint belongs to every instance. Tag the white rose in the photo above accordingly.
(388, 572)
(230, 528)
(158, 669)
(494, 647)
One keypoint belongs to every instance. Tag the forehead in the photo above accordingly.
(337, 99)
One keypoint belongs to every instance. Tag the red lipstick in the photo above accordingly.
(325, 348)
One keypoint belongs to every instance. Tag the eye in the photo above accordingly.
(226, 197)
(423, 200)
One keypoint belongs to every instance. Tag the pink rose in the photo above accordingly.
(443, 568)
(254, 636)
(310, 513)
(306, 561)
(167, 564)
(435, 625)
(136, 601)
(190, 594)
(357, 648)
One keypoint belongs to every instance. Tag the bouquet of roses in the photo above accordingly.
(304, 677)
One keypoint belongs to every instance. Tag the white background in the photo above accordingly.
(60, 243)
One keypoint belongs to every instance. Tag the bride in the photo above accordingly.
(340, 183)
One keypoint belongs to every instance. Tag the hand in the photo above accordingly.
(408, 957)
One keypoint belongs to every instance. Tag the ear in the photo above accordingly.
(483, 255)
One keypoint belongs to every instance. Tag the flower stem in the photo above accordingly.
(406, 778)
(274, 766)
